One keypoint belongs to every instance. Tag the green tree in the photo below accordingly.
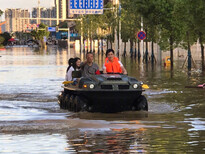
(6, 37)
(90, 24)
(40, 33)
(1, 41)
(1, 12)
(198, 13)
(171, 28)
(130, 23)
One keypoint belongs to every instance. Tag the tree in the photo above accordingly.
(1, 12)
(98, 26)
(198, 12)
(40, 33)
(1, 41)
(171, 28)
(130, 22)
(6, 37)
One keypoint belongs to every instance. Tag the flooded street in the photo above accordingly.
(31, 120)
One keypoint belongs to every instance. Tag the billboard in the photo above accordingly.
(86, 7)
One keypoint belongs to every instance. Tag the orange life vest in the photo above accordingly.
(113, 67)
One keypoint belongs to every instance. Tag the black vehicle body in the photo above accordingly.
(104, 93)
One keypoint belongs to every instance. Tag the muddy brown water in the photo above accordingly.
(32, 122)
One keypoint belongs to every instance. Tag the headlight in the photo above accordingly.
(85, 86)
(92, 86)
(135, 86)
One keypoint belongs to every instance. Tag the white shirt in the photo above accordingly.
(68, 76)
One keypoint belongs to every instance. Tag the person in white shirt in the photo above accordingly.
(74, 65)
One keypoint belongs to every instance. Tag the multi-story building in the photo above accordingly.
(62, 8)
(2, 27)
(14, 19)
(41, 12)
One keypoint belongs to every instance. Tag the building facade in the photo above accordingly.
(62, 8)
(44, 13)
(2, 27)
(14, 21)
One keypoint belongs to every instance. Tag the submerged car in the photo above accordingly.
(103, 93)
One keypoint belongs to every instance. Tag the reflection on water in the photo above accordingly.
(30, 80)
(33, 143)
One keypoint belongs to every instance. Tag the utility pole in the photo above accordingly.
(38, 16)
(57, 11)
(68, 40)
(116, 36)
(142, 42)
(81, 36)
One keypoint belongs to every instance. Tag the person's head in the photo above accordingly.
(77, 62)
(71, 61)
(89, 57)
(110, 54)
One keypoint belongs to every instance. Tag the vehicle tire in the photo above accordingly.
(71, 103)
(79, 104)
(67, 101)
(60, 99)
(141, 103)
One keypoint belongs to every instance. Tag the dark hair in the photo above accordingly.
(74, 64)
(108, 51)
(88, 54)
(71, 62)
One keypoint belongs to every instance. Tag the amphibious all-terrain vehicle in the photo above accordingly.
(103, 93)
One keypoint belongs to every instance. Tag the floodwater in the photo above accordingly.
(32, 122)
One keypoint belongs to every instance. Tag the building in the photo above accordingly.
(2, 27)
(62, 9)
(41, 12)
(14, 21)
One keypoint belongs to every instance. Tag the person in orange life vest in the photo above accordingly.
(112, 63)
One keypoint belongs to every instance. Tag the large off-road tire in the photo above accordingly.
(141, 104)
(66, 101)
(60, 99)
(71, 103)
(79, 104)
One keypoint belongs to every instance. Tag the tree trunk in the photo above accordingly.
(202, 56)
(131, 48)
(139, 54)
(146, 52)
(124, 54)
(202, 50)
(135, 48)
(107, 44)
(171, 52)
(98, 46)
(189, 53)
(111, 44)
(102, 46)
(152, 53)
(91, 45)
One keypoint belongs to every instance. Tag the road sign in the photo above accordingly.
(141, 35)
(86, 7)
(51, 29)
